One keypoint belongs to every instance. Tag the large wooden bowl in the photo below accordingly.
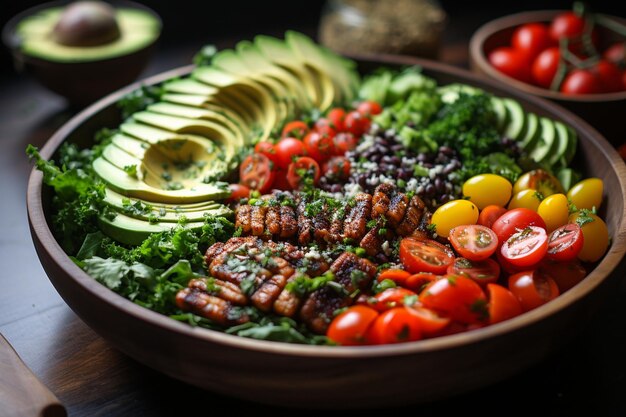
(599, 110)
(339, 377)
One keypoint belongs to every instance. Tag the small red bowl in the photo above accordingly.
(599, 110)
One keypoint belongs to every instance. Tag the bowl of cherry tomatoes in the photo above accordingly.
(575, 58)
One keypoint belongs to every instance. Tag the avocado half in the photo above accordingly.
(138, 28)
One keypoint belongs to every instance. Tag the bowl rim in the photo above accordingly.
(487, 30)
(41, 232)
(11, 40)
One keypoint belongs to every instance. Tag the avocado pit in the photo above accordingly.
(87, 23)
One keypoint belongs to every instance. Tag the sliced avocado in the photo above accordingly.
(132, 231)
(138, 28)
(190, 86)
(533, 132)
(116, 199)
(556, 159)
(516, 127)
(547, 142)
(210, 102)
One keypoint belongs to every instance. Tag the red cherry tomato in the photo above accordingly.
(616, 53)
(369, 108)
(532, 288)
(237, 192)
(417, 282)
(474, 242)
(431, 323)
(565, 243)
(425, 255)
(581, 81)
(319, 146)
(503, 305)
(397, 325)
(456, 297)
(392, 297)
(482, 272)
(515, 220)
(490, 214)
(609, 76)
(351, 327)
(511, 62)
(506, 266)
(356, 123)
(531, 39)
(287, 149)
(566, 25)
(398, 276)
(255, 172)
(344, 142)
(545, 66)
(325, 128)
(526, 247)
(296, 129)
(565, 274)
(300, 168)
(267, 149)
(337, 168)
(336, 117)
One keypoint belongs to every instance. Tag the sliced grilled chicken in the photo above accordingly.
(212, 307)
(355, 223)
(242, 218)
(288, 222)
(272, 220)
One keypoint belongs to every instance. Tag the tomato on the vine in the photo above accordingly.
(457, 297)
(482, 272)
(351, 327)
(474, 242)
(255, 172)
(565, 243)
(531, 39)
(511, 62)
(319, 146)
(566, 25)
(300, 169)
(296, 129)
(545, 66)
(609, 76)
(396, 325)
(287, 149)
(533, 288)
(526, 247)
(581, 81)
(425, 255)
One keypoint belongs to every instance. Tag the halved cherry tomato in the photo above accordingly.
(351, 327)
(417, 282)
(473, 241)
(392, 297)
(490, 214)
(526, 247)
(319, 146)
(503, 305)
(565, 274)
(565, 243)
(300, 168)
(266, 148)
(369, 108)
(336, 117)
(507, 266)
(337, 168)
(255, 172)
(344, 142)
(398, 276)
(425, 255)
(296, 129)
(482, 272)
(356, 123)
(237, 192)
(514, 220)
(397, 325)
(533, 288)
(431, 323)
(287, 149)
(457, 297)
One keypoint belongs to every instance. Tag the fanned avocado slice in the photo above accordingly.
(133, 231)
(225, 117)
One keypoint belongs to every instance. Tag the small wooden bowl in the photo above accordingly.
(599, 110)
(81, 83)
(326, 376)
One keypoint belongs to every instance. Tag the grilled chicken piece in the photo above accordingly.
(242, 218)
(321, 225)
(336, 226)
(272, 220)
(305, 224)
(373, 240)
(287, 303)
(351, 273)
(397, 208)
(257, 220)
(212, 307)
(412, 217)
(222, 289)
(381, 200)
(355, 223)
(288, 222)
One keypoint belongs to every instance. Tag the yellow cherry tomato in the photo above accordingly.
(487, 189)
(587, 194)
(595, 236)
(539, 180)
(554, 210)
(529, 199)
(452, 214)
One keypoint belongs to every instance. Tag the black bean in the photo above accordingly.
(446, 150)
(395, 160)
(397, 148)
(405, 175)
(438, 185)
(429, 190)
(361, 179)
(382, 142)
(382, 149)
(386, 159)
(422, 157)
(374, 158)
(336, 188)
(427, 165)
(444, 198)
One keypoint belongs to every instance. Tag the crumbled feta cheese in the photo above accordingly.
(386, 248)
(351, 189)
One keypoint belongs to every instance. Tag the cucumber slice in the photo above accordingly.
(516, 127)
(545, 145)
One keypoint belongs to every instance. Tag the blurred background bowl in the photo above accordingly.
(81, 82)
(599, 110)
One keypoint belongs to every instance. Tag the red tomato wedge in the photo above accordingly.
(533, 288)
(526, 247)
(503, 305)
(425, 255)
(351, 327)
(482, 272)
(456, 297)
(474, 242)
(255, 172)
(565, 243)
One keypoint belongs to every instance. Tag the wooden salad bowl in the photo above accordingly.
(599, 110)
(326, 376)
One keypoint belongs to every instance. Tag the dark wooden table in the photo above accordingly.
(93, 379)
